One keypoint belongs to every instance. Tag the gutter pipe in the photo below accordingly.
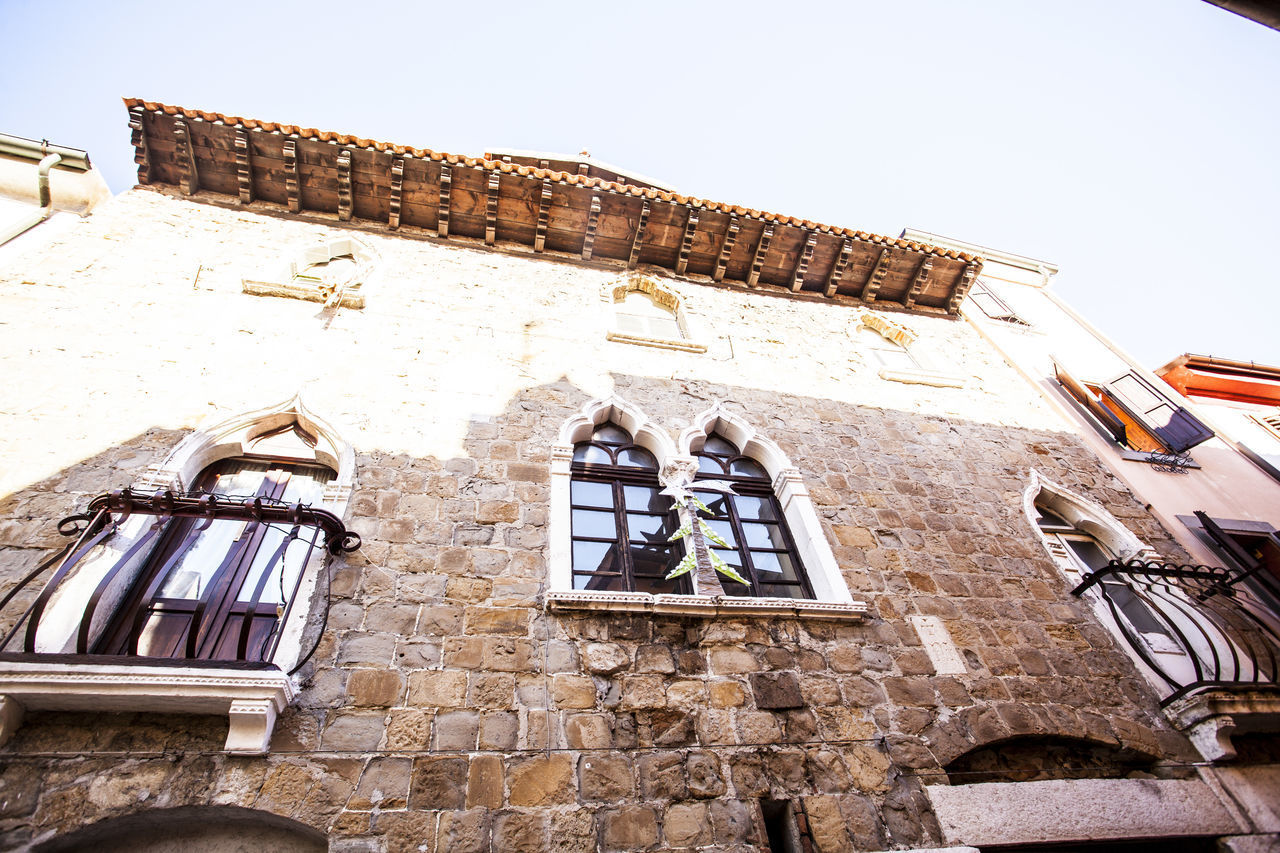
(46, 198)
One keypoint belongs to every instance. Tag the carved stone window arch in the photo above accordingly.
(645, 311)
(330, 271)
(250, 693)
(579, 428)
(1082, 514)
(832, 598)
(891, 350)
(788, 487)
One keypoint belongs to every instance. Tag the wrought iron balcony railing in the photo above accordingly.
(1197, 627)
(211, 577)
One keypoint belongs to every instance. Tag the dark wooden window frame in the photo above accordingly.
(229, 627)
(618, 477)
(754, 487)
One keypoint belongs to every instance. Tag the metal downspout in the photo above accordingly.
(46, 200)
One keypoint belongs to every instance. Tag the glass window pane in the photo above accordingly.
(591, 494)
(725, 531)
(651, 561)
(1088, 552)
(637, 457)
(591, 454)
(782, 591)
(649, 528)
(733, 558)
(603, 583)
(717, 502)
(747, 468)
(657, 585)
(645, 498)
(611, 434)
(755, 508)
(733, 587)
(631, 324)
(763, 536)
(599, 525)
(771, 567)
(718, 445)
(710, 465)
(595, 556)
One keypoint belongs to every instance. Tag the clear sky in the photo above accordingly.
(1135, 143)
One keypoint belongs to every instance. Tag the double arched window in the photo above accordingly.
(750, 521)
(621, 523)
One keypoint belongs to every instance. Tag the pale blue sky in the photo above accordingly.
(1132, 142)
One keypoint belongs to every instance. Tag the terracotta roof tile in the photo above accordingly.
(540, 174)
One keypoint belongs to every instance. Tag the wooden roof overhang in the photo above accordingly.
(504, 202)
(1223, 379)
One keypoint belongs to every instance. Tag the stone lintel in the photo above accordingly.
(999, 813)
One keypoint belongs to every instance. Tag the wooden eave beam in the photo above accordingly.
(802, 265)
(397, 192)
(544, 216)
(686, 243)
(918, 283)
(878, 272)
(446, 191)
(292, 179)
(138, 136)
(188, 177)
(838, 268)
(726, 248)
(491, 208)
(757, 258)
(637, 239)
(593, 221)
(967, 278)
(344, 185)
(244, 166)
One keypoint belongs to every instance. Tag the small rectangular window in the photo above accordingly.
(993, 306)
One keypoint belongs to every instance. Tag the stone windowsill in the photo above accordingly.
(661, 343)
(922, 377)
(704, 605)
(250, 698)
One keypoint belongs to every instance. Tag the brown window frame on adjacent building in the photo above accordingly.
(1117, 408)
(727, 516)
(628, 465)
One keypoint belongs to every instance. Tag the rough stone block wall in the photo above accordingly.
(445, 709)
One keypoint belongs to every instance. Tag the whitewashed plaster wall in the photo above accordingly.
(136, 319)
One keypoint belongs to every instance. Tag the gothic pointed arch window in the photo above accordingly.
(621, 524)
(750, 521)
(220, 589)
(1084, 540)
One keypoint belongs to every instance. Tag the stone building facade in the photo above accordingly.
(459, 694)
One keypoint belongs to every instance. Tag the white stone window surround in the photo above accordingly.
(251, 697)
(614, 295)
(345, 290)
(902, 339)
(1208, 729)
(833, 600)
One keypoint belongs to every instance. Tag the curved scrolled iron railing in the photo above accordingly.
(104, 517)
(1226, 633)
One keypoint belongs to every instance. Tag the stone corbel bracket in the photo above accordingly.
(1210, 719)
(251, 699)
